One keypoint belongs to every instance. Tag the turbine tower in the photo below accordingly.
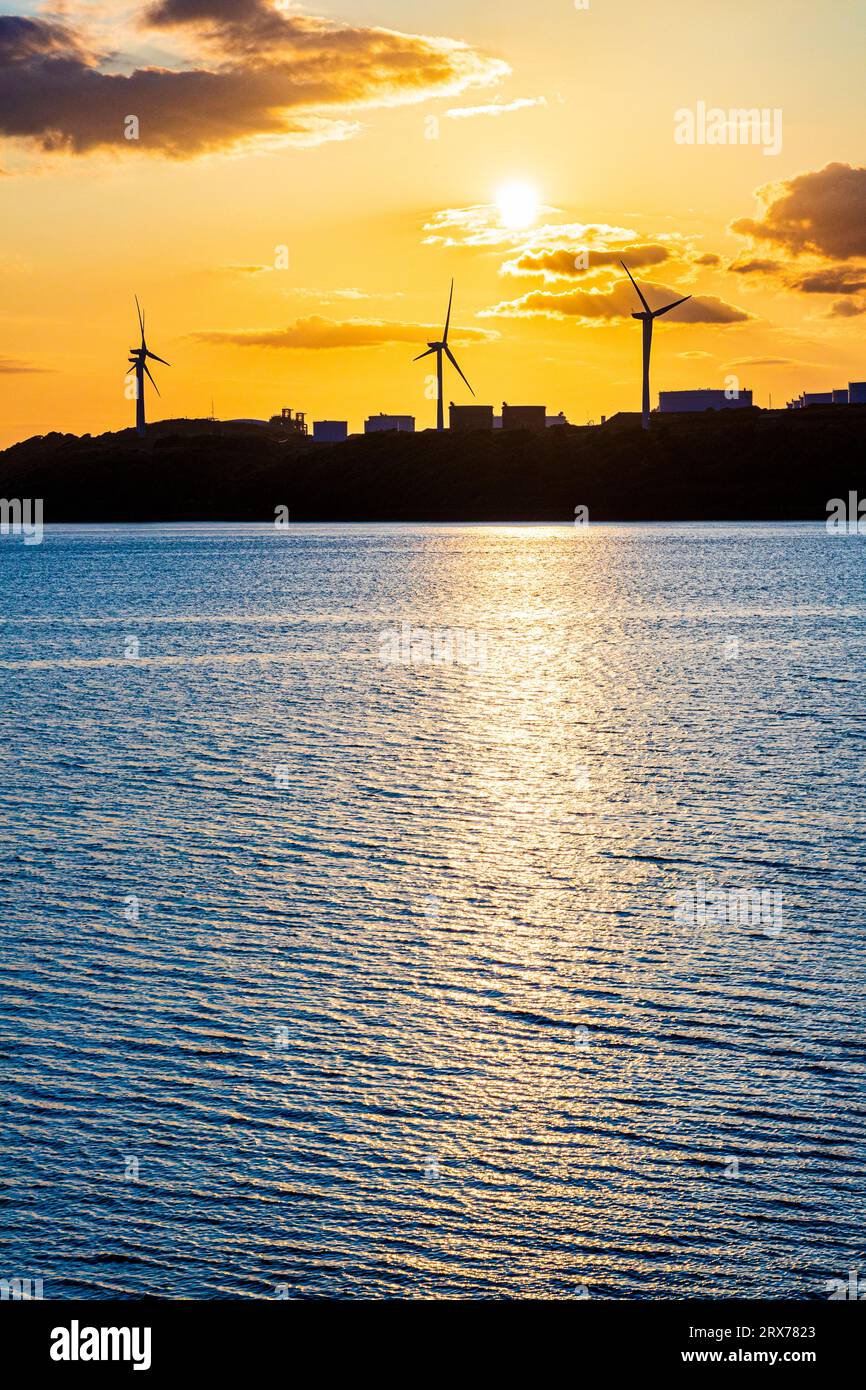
(138, 358)
(647, 318)
(442, 349)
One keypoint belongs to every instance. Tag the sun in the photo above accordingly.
(517, 203)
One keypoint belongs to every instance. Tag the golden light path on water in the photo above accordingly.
(380, 968)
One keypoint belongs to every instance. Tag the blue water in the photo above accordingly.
(415, 1014)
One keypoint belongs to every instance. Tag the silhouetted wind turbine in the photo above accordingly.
(441, 349)
(646, 319)
(138, 358)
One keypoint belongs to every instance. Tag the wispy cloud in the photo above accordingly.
(10, 366)
(351, 293)
(317, 332)
(755, 265)
(481, 224)
(464, 113)
(766, 362)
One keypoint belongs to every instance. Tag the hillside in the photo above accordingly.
(741, 465)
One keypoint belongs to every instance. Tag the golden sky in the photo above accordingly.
(305, 182)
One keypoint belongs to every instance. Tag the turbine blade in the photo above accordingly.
(448, 318)
(423, 354)
(634, 282)
(155, 387)
(158, 359)
(140, 318)
(453, 360)
(657, 313)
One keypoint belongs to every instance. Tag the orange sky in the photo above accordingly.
(307, 180)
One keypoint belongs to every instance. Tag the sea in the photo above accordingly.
(426, 911)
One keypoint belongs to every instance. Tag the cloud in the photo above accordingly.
(596, 306)
(755, 266)
(822, 212)
(847, 309)
(350, 292)
(248, 22)
(243, 270)
(9, 366)
(321, 296)
(560, 251)
(832, 280)
(820, 278)
(317, 332)
(463, 113)
(709, 258)
(481, 225)
(566, 263)
(268, 77)
(764, 362)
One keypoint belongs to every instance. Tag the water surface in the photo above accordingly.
(327, 976)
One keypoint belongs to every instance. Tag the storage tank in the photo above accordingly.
(381, 424)
(465, 418)
(524, 417)
(330, 431)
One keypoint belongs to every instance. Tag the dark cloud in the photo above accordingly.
(316, 332)
(847, 309)
(270, 75)
(821, 279)
(227, 14)
(708, 258)
(755, 267)
(822, 212)
(832, 280)
(245, 24)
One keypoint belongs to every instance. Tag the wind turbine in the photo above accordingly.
(441, 349)
(138, 358)
(647, 318)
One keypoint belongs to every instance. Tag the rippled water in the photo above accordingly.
(375, 971)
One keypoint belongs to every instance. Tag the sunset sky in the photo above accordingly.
(265, 126)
